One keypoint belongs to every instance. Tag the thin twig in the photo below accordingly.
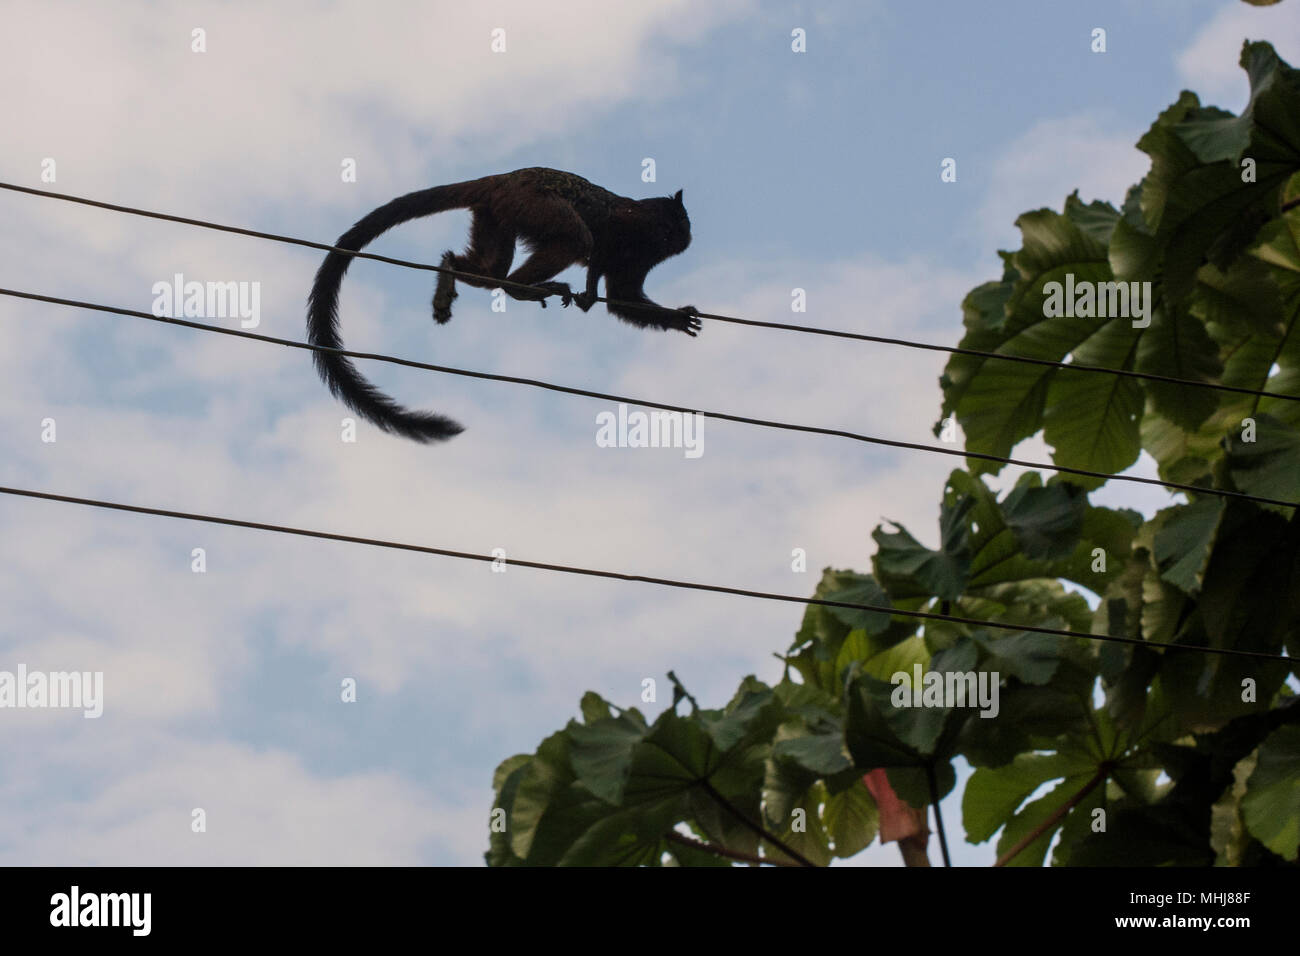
(1102, 773)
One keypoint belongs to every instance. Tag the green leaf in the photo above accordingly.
(1033, 816)
(785, 778)
(860, 589)
(506, 784)
(544, 781)
(627, 838)
(1269, 120)
(998, 557)
(1227, 829)
(1027, 656)
(1091, 420)
(1177, 345)
(1256, 553)
(852, 819)
(1195, 199)
(878, 734)
(821, 754)
(1160, 835)
(1077, 827)
(1047, 521)
(994, 793)
(600, 754)
(593, 707)
(857, 647)
(912, 784)
(901, 658)
(752, 713)
(1027, 717)
(1183, 542)
(1271, 806)
(1269, 466)
(1000, 403)
(810, 840)
(909, 569)
(506, 768)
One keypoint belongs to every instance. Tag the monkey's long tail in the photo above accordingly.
(342, 377)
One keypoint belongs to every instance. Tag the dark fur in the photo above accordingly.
(562, 220)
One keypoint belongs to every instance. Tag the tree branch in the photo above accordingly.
(913, 849)
(751, 825)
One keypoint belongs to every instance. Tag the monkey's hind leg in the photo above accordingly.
(445, 291)
(491, 250)
(556, 238)
(538, 268)
(548, 259)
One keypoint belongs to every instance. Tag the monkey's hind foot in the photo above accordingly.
(684, 319)
(557, 288)
(445, 291)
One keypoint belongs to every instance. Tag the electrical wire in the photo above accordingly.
(648, 403)
(735, 320)
(622, 576)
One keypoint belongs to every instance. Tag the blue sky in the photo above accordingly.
(817, 170)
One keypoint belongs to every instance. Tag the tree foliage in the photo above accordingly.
(1104, 753)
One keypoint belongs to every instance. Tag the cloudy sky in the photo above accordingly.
(817, 170)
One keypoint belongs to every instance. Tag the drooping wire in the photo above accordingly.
(731, 319)
(622, 576)
(648, 403)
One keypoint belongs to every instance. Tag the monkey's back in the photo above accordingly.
(593, 203)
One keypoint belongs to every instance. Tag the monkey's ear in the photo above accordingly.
(678, 197)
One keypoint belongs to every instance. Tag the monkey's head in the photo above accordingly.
(670, 233)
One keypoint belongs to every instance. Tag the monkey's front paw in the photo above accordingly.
(584, 300)
(686, 320)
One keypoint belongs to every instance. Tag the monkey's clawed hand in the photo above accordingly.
(584, 301)
(685, 320)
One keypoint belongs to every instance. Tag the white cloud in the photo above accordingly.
(1209, 64)
(286, 91)
(262, 808)
(1052, 159)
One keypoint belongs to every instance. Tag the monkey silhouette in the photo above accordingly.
(560, 218)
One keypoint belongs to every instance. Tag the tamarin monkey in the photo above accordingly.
(562, 219)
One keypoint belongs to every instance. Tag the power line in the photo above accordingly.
(621, 576)
(603, 396)
(731, 319)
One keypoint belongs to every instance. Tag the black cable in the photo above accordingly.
(721, 416)
(620, 576)
(757, 323)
